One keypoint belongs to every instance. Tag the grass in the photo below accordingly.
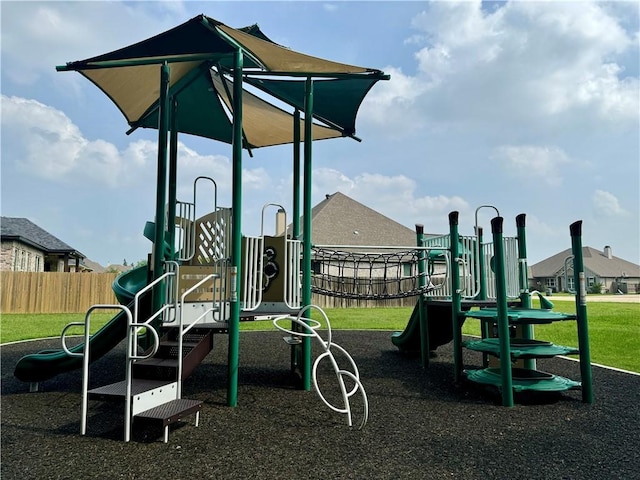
(614, 328)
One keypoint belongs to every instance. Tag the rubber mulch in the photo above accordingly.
(421, 425)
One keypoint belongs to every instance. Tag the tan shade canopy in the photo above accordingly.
(265, 124)
(195, 52)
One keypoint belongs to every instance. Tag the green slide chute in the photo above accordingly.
(41, 366)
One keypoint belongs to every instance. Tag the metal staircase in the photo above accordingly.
(152, 388)
(155, 384)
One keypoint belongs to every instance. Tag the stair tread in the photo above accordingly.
(521, 348)
(119, 389)
(174, 343)
(172, 411)
(159, 362)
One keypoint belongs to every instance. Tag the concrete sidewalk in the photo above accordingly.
(630, 298)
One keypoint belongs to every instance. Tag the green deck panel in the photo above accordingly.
(521, 315)
(521, 348)
(523, 380)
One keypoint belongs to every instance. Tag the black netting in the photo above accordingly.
(367, 276)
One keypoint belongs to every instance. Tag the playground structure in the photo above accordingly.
(450, 274)
(204, 276)
(192, 79)
(488, 282)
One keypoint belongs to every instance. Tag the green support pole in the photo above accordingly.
(482, 291)
(173, 183)
(581, 312)
(502, 307)
(236, 234)
(456, 300)
(485, 327)
(523, 278)
(306, 242)
(161, 189)
(295, 234)
(422, 314)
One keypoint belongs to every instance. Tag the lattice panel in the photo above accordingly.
(213, 237)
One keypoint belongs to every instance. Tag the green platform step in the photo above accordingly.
(523, 380)
(521, 348)
(530, 316)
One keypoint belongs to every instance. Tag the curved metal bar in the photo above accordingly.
(311, 327)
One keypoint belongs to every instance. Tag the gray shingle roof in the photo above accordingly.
(594, 260)
(340, 220)
(25, 231)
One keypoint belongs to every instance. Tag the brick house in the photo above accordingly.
(25, 247)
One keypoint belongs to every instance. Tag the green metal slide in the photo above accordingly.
(44, 365)
(439, 322)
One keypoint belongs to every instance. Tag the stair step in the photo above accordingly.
(171, 412)
(119, 389)
(523, 380)
(521, 348)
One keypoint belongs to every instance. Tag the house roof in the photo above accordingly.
(95, 267)
(27, 232)
(340, 220)
(594, 260)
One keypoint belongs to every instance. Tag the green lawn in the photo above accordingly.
(614, 328)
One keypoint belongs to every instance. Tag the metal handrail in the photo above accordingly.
(252, 295)
(183, 331)
(570, 258)
(188, 214)
(263, 210)
(133, 327)
(85, 354)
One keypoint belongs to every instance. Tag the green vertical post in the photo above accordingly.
(456, 299)
(173, 176)
(295, 226)
(161, 188)
(523, 279)
(482, 291)
(236, 234)
(503, 319)
(306, 241)
(485, 327)
(422, 313)
(581, 312)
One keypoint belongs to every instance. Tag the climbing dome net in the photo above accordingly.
(371, 275)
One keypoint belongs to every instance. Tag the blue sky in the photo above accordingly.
(529, 106)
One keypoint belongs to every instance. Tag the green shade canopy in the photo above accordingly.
(200, 54)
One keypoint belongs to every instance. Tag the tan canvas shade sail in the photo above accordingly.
(130, 77)
(265, 124)
(135, 89)
(278, 59)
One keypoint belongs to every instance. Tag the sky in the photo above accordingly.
(531, 107)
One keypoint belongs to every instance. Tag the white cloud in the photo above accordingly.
(42, 141)
(530, 161)
(36, 36)
(522, 63)
(607, 205)
(395, 196)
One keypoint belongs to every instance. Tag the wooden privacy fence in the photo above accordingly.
(58, 292)
(54, 292)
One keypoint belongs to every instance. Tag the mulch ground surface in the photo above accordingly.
(421, 425)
